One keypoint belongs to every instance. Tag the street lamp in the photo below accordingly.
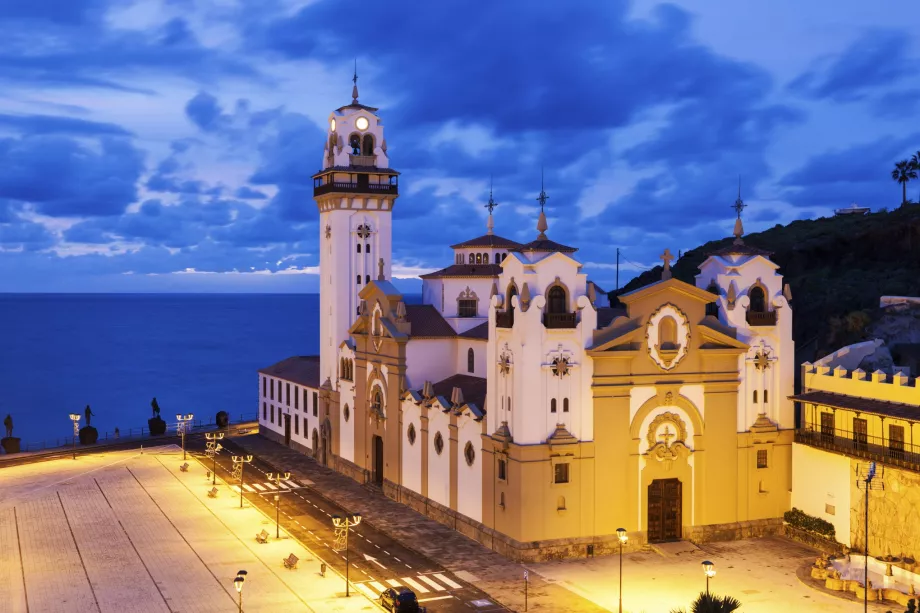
(709, 571)
(277, 478)
(238, 584)
(238, 462)
(183, 424)
(621, 535)
(75, 418)
(344, 524)
(213, 448)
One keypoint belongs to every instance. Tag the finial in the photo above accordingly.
(491, 206)
(354, 90)
(541, 222)
(739, 206)
(666, 257)
(380, 276)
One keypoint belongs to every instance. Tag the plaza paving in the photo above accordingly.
(126, 532)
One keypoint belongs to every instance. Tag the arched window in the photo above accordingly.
(556, 300)
(560, 503)
(667, 333)
(410, 434)
(501, 500)
(758, 300)
(438, 443)
(498, 258)
(368, 145)
(358, 247)
(469, 454)
(765, 397)
(479, 258)
(470, 360)
(755, 396)
(512, 292)
(354, 141)
(315, 442)
(377, 401)
(565, 405)
(485, 258)
(552, 405)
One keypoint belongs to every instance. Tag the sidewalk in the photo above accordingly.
(464, 557)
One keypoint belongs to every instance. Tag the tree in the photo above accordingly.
(903, 172)
(709, 603)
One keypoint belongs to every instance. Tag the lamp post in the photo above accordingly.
(869, 477)
(238, 584)
(621, 535)
(277, 478)
(213, 448)
(346, 523)
(75, 418)
(239, 461)
(183, 424)
(709, 571)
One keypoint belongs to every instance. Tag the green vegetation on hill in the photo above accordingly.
(836, 267)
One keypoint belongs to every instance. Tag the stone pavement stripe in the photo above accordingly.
(258, 487)
(79, 553)
(271, 486)
(393, 583)
(103, 546)
(362, 587)
(378, 586)
(452, 584)
(49, 559)
(12, 580)
(433, 584)
(290, 484)
(415, 585)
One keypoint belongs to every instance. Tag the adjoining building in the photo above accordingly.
(853, 415)
(514, 404)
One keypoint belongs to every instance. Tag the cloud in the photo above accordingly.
(54, 124)
(247, 193)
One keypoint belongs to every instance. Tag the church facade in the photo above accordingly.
(517, 405)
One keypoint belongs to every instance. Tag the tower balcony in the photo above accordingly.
(362, 160)
(559, 320)
(758, 318)
(362, 185)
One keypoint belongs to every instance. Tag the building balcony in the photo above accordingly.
(361, 186)
(858, 445)
(504, 319)
(559, 320)
(765, 318)
(362, 160)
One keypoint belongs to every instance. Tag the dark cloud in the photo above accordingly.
(54, 124)
(26, 235)
(898, 105)
(877, 60)
(204, 111)
(61, 176)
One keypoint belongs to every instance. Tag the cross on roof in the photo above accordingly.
(666, 257)
(542, 198)
(491, 204)
(739, 203)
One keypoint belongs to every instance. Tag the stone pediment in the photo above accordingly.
(710, 338)
(674, 287)
(627, 336)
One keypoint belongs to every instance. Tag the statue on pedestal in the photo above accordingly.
(8, 424)
(9, 443)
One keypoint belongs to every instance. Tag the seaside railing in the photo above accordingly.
(140, 432)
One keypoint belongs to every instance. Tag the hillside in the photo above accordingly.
(837, 267)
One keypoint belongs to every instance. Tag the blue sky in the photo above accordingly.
(168, 145)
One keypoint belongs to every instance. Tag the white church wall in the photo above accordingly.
(432, 294)
(429, 360)
(821, 483)
(469, 478)
(411, 451)
(479, 358)
(439, 464)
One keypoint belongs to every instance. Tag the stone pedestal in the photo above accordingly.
(157, 426)
(88, 435)
(222, 419)
(10, 444)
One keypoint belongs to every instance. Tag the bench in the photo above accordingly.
(290, 562)
(212, 493)
(184, 467)
(262, 537)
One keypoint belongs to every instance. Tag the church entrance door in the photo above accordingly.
(664, 504)
(287, 430)
(378, 461)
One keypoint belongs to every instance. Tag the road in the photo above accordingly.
(375, 560)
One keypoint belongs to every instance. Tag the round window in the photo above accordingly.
(361, 123)
(346, 412)
(411, 434)
(469, 453)
(438, 443)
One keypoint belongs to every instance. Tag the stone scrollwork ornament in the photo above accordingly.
(666, 436)
(504, 364)
(560, 366)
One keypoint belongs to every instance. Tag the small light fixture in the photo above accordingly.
(621, 534)
(708, 569)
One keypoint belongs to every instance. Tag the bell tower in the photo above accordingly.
(355, 192)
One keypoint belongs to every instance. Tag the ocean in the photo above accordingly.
(197, 353)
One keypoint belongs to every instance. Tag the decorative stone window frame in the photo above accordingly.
(766, 297)
(469, 453)
(567, 295)
(374, 411)
(556, 461)
(438, 443)
(501, 462)
(468, 294)
(668, 359)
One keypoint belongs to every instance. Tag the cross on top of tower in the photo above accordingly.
(542, 198)
(666, 257)
(354, 90)
(491, 206)
(738, 206)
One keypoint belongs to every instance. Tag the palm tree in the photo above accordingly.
(903, 172)
(708, 603)
(915, 162)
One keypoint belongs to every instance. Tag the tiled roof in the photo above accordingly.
(479, 332)
(607, 314)
(544, 244)
(355, 105)
(473, 388)
(466, 270)
(427, 322)
(488, 240)
(741, 248)
(371, 169)
(863, 405)
(300, 369)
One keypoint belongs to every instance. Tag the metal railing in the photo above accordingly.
(362, 160)
(559, 320)
(354, 187)
(758, 318)
(879, 449)
(111, 436)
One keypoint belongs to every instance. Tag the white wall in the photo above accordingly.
(429, 360)
(411, 452)
(479, 358)
(469, 478)
(822, 478)
(439, 465)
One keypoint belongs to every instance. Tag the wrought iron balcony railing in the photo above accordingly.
(765, 318)
(559, 320)
(873, 448)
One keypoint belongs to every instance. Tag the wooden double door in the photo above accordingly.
(664, 510)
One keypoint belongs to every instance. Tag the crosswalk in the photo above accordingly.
(420, 584)
(267, 486)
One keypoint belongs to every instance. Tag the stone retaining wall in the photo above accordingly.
(821, 543)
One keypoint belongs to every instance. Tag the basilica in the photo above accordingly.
(515, 403)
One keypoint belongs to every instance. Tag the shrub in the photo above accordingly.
(804, 521)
